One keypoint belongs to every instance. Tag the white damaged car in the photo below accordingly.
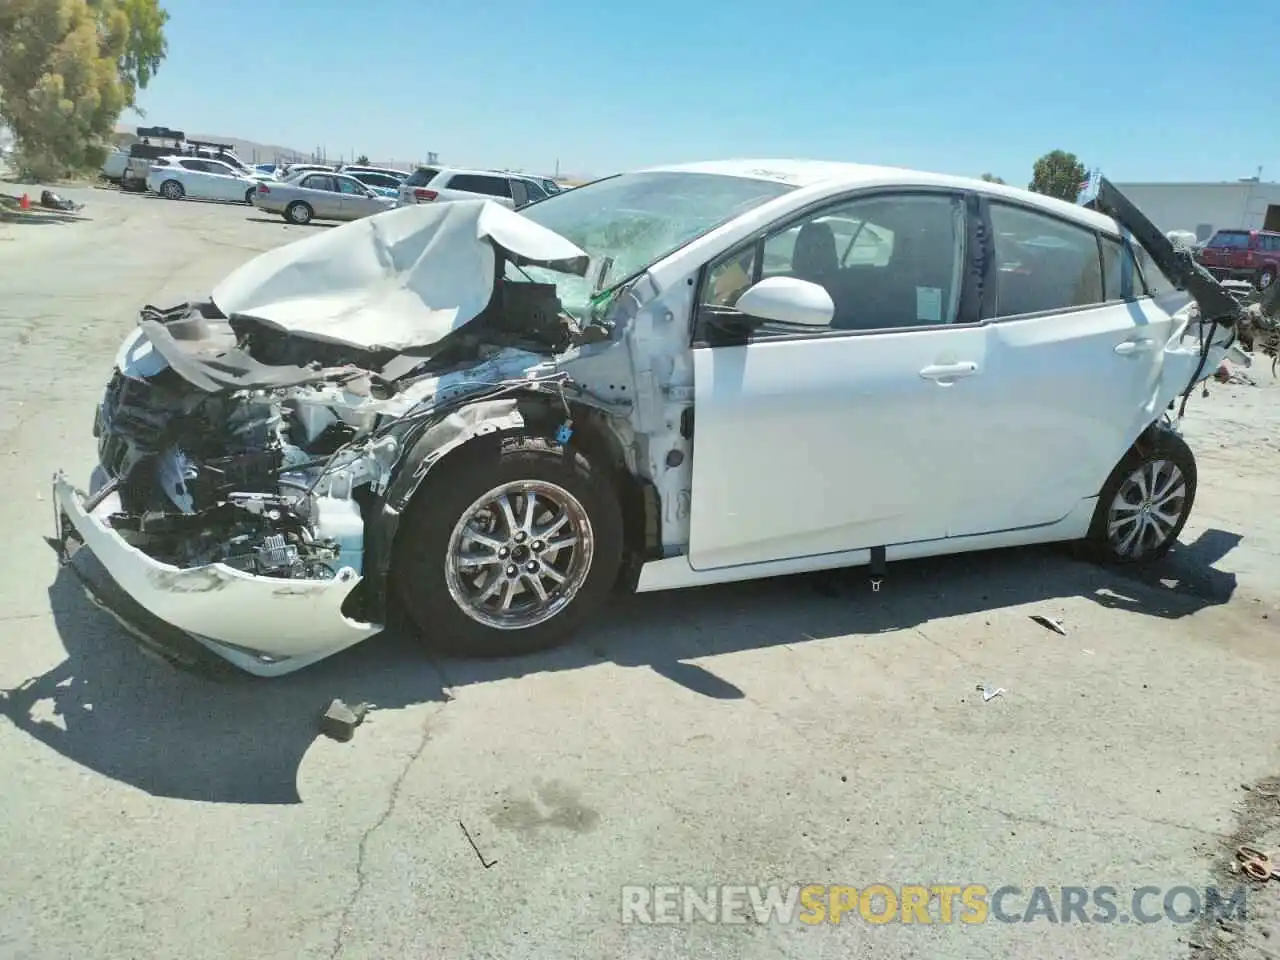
(672, 377)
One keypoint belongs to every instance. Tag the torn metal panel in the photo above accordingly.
(402, 279)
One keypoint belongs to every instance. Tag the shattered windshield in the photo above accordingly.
(629, 222)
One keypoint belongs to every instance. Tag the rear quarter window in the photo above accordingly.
(421, 177)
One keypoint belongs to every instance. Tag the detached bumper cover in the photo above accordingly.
(264, 625)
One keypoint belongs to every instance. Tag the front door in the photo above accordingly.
(809, 442)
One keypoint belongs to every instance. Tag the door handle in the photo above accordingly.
(1130, 347)
(949, 371)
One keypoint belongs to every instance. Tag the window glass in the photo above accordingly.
(421, 177)
(1043, 263)
(351, 187)
(479, 183)
(1230, 239)
(535, 190)
(320, 181)
(197, 165)
(1119, 273)
(1156, 282)
(886, 262)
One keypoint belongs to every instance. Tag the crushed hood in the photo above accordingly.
(397, 280)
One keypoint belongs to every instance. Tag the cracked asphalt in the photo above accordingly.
(795, 731)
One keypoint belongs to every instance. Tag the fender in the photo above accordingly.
(446, 430)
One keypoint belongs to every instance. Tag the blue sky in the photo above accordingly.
(1146, 90)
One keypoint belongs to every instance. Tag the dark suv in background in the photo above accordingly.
(1252, 255)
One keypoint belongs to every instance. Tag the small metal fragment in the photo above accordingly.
(1049, 623)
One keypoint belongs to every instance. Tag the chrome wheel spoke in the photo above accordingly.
(519, 554)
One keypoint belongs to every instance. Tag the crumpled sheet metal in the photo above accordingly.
(398, 280)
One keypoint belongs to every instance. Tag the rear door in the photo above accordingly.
(198, 181)
(324, 197)
(227, 181)
(1077, 347)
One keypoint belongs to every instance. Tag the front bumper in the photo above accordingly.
(266, 626)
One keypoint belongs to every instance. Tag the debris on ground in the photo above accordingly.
(339, 722)
(989, 694)
(1049, 623)
(467, 833)
(51, 201)
(1257, 864)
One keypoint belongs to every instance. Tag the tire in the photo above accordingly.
(172, 190)
(248, 195)
(1166, 466)
(1266, 277)
(299, 213)
(445, 600)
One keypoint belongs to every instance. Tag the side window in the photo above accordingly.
(320, 181)
(199, 166)
(479, 183)
(535, 190)
(350, 187)
(1044, 264)
(217, 166)
(1120, 276)
(887, 262)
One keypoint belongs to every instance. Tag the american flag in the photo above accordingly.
(1087, 182)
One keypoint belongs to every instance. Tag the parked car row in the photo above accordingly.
(302, 192)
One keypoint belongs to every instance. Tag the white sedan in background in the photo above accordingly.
(197, 178)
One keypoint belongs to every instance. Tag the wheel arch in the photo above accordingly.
(458, 433)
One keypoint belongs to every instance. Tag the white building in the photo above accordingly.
(1202, 208)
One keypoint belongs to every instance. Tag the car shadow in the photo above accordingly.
(115, 708)
(40, 218)
(281, 222)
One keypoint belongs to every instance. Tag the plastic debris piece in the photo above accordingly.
(339, 722)
(1050, 624)
(989, 694)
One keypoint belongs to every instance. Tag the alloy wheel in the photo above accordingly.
(1146, 509)
(519, 554)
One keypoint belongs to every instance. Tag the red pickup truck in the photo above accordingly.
(1252, 255)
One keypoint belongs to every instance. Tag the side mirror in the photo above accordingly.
(788, 300)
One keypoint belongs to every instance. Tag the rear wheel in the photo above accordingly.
(506, 549)
(1146, 501)
(248, 195)
(172, 190)
(299, 213)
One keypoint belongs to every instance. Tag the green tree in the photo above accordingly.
(68, 68)
(1058, 174)
(991, 178)
(362, 160)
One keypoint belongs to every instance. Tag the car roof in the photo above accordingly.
(834, 176)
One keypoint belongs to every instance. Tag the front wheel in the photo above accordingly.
(1146, 501)
(248, 195)
(506, 549)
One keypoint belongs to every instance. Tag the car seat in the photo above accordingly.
(814, 256)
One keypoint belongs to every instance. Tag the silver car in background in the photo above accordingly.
(320, 196)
